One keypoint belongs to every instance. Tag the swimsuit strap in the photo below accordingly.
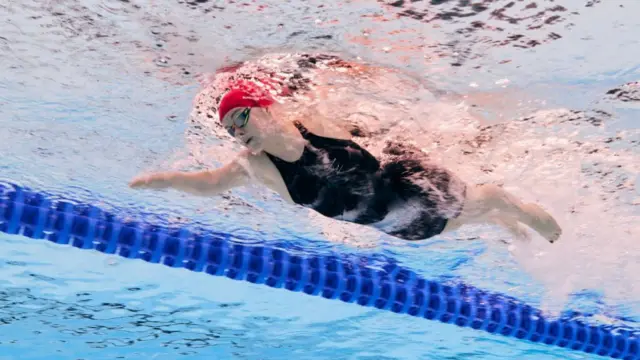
(302, 129)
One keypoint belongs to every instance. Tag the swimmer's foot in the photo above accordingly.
(544, 223)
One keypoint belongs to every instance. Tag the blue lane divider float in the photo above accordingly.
(37, 215)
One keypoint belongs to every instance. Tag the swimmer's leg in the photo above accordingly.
(512, 225)
(508, 223)
(483, 201)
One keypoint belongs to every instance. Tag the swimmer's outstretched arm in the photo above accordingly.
(238, 172)
(202, 183)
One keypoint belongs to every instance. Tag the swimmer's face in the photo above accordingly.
(247, 126)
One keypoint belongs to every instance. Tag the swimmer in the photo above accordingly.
(405, 196)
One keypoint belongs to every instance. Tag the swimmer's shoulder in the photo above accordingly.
(261, 168)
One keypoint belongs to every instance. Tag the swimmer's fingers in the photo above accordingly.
(150, 181)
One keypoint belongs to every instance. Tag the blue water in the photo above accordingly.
(93, 92)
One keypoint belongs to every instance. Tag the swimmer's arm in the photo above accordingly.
(214, 182)
(202, 183)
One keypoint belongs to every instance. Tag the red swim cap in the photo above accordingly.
(243, 96)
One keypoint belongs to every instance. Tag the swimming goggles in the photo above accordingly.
(239, 121)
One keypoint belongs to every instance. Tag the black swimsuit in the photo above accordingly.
(406, 197)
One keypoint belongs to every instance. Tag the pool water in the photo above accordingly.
(94, 92)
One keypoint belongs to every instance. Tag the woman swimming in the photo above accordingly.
(405, 196)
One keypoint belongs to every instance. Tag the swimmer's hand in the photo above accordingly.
(155, 181)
